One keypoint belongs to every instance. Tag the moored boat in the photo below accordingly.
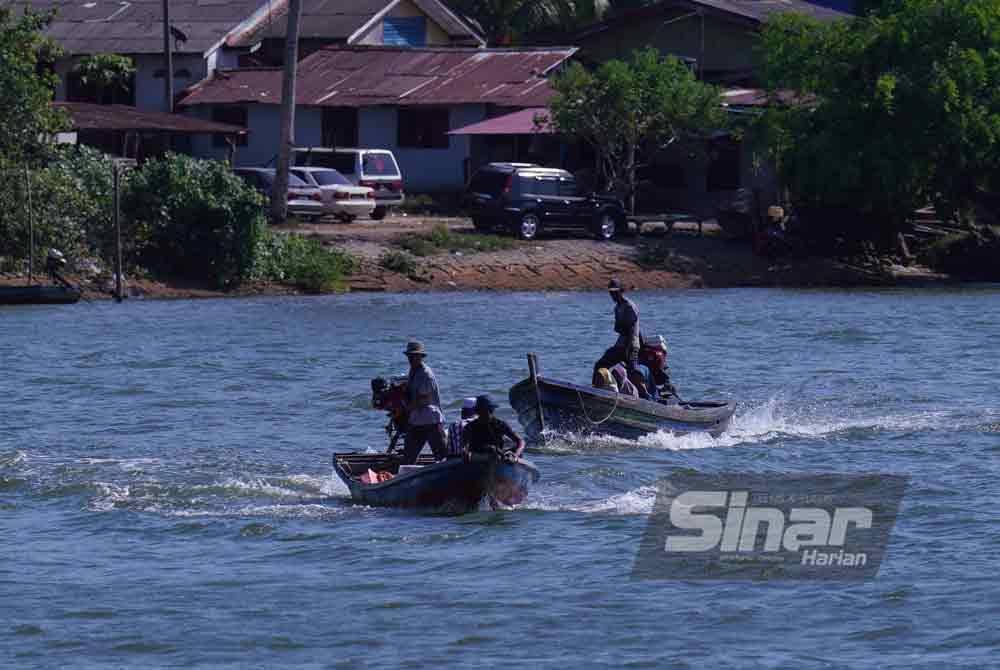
(38, 295)
(550, 404)
(453, 485)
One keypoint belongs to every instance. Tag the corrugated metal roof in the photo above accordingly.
(366, 76)
(341, 19)
(744, 11)
(136, 26)
(87, 116)
(521, 122)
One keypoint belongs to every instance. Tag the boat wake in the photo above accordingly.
(770, 422)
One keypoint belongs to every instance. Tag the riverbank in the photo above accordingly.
(685, 258)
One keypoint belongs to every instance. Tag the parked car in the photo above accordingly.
(304, 201)
(374, 168)
(341, 198)
(527, 199)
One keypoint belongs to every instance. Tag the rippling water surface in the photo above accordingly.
(166, 495)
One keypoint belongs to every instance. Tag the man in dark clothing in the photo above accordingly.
(425, 420)
(485, 434)
(626, 348)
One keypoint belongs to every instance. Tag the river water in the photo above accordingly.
(167, 500)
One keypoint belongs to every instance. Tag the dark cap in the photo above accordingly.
(615, 285)
(484, 402)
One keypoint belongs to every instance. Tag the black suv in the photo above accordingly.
(527, 199)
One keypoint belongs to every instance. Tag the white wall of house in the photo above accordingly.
(264, 122)
(423, 169)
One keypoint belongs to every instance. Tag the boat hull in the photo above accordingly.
(452, 485)
(570, 408)
(37, 295)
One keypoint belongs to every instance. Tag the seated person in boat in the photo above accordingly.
(653, 355)
(626, 348)
(425, 423)
(455, 448)
(485, 434)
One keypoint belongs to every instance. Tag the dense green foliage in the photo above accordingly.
(441, 239)
(105, 73)
(399, 262)
(896, 109)
(69, 199)
(195, 219)
(26, 113)
(625, 109)
(504, 21)
(301, 261)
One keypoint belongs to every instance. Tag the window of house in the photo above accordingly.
(405, 31)
(423, 128)
(340, 127)
(234, 116)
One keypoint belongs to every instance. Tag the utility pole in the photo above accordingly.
(168, 56)
(31, 226)
(279, 191)
(119, 293)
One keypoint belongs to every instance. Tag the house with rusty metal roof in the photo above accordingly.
(400, 98)
(210, 34)
(718, 37)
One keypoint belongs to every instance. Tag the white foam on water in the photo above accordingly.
(303, 511)
(14, 459)
(257, 486)
(769, 421)
(109, 496)
(639, 501)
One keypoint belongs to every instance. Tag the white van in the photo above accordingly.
(374, 168)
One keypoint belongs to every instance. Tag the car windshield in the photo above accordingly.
(329, 178)
(379, 165)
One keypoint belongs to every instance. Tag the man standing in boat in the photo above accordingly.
(425, 420)
(485, 434)
(626, 349)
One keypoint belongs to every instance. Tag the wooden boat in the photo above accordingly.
(38, 295)
(452, 485)
(550, 404)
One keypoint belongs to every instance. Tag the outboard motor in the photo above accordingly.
(653, 354)
(391, 396)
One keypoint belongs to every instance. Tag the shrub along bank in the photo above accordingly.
(181, 218)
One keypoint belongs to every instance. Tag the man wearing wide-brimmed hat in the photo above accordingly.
(425, 422)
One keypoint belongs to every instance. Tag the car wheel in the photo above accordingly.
(607, 226)
(528, 227)
(379, 213)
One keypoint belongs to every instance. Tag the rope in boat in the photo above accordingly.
(584, 408)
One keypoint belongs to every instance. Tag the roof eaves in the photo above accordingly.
(267, 11)
(360, 32)
(458, 19)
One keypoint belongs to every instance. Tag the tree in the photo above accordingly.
(626, 108)
(903, 109)
(27, 117)
(105, 73)
(279, 190)
(502, 21)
